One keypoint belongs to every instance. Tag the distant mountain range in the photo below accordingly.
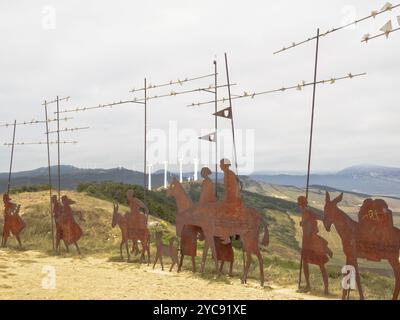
(365, 179)
(72, 176)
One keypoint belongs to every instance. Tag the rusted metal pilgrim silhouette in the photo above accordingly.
(373, 237)
(222, 219)
(224, 251)
(166, 251)
(57, 209)
(314, 248)
(13, 223)
(70, 231)
(136, 223)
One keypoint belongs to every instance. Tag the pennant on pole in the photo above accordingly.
(212, 137)
(387, 28)
(225, 113)
(387, 6)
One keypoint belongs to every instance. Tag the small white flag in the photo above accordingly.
(387, 28)
(387, 6)
(212, 137)
(366, 37)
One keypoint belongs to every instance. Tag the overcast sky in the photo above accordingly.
(96, 51)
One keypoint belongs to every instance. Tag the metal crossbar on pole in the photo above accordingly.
(38, 143)
(172, 82)
(32, 122)
(142, 100)
(68, 130)
(380, 35)
(372, 15)
(282, 89)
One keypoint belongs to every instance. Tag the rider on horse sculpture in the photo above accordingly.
(135, 219)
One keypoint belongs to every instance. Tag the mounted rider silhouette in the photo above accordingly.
(231, 205)
(135, 219)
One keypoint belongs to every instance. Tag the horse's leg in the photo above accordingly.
(306, 275)
(231, 269)
(396, 270)
(205, 252)
(143, 252)
(261, 264)
(148, 250)
(193, 265)
(325, 278)
(5, 238)
(180, 263)
(127, 250)
(247, 267)
(211, 242)
(173, 263)
(155, 261)
(120, 248)
(221, 267)
(19, 240)
(162, 265)
(77, 248)
(358, 279)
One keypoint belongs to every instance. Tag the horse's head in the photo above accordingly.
(330, 209)
(171, 191)
(115, 215)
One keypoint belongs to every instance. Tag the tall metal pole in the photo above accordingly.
(50, 183)
(230, 105)
(12, 158)
(145, 141)
(216, 127)
(311, 140)
(58, 149)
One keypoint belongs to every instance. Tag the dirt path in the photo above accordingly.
(21, 276)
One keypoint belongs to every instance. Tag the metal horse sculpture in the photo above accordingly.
(13, 223)
(374, 237)
(133, 225)
(215, 220)
(70, 231)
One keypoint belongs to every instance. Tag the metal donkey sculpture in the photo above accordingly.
(373, 237)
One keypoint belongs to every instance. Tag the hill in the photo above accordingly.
(367, 179)
(100, 247)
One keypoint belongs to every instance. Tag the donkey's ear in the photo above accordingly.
(327, 197)
(339, 198)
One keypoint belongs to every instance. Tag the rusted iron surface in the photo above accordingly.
(133, 226)
(373, 237)
(70, 230)
(163, 250)
(221, 219)
(56, 210)
(13, 223)
(315, 249)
